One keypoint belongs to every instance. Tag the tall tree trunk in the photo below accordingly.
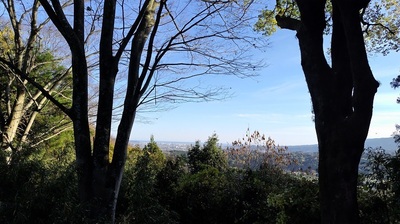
(342, 97)
(16, 114)
(108, 70)
(13, 121)
(99, 180)
(109, 176)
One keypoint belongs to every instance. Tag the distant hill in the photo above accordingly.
(386, 143)
(305, 155)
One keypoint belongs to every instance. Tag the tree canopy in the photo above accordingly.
(379, 22)
(210, 155)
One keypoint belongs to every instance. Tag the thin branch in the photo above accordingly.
(59, 19)
(150, 50)
(37, 85)
(131, 32)
(376, 24)
(55, 133)
(50, 86)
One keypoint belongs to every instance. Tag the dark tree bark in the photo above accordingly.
(100, 179)
(342, 97)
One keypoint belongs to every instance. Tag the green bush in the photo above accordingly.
(210, 155)
(138, 199)
(202, 197)
(39, 186)
(379, 195)
(37, 190)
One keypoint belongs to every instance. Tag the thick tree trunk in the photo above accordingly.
(339, 156)
(342, 97)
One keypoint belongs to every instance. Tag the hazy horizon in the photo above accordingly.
(276, 103)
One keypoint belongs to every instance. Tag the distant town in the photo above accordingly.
(386, 143)
(166, 146)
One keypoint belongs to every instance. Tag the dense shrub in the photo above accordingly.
(38, 190)
(210, 155)
(138, 197)
(40, 187)
(379, 198)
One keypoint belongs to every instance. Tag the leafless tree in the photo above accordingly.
(157, 48)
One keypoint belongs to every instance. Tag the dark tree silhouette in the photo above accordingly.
(342, 95)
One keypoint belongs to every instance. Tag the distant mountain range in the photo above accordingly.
(386, 143)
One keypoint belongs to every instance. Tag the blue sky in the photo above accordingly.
(276, 103)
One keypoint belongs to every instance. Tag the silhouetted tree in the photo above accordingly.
(342, 94)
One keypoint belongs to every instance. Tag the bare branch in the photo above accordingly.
(50, 86)
(59, 19)
(37, 85)
(53, 133)
(131, 32)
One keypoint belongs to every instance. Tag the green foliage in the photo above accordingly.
(202, 197)
(39, 188)
(138, 196)
(373, 209)
(168, 180)
(255, 188)
(297, 202)
(394, 167)
(49, 122)
(377, 177)
(57, 150)
(210, 155)
(267, 24)
(210, 194)
(152, 160)
(271, 196)
(44, 68)
(6, 41)
(381, 25)
(379, 187)
(266, 195)
(380, 22)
